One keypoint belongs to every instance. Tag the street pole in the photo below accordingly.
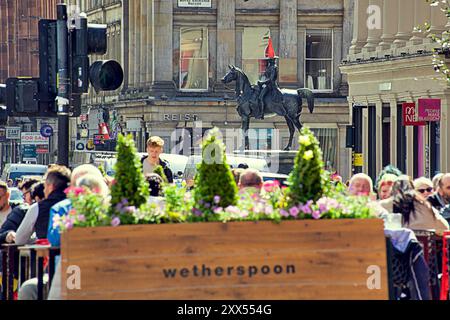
(62, 99)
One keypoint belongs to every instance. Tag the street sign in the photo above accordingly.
(358, 160)
(2, 135)
(33, 138)
(46, 131)
(13, 133)
(42, 149)
(99, 139)
(29, 152)
(430, 110)
(81, 145)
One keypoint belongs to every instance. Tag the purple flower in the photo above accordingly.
(316, 214)
(197, 212)
(69, 224)
(284, 213)
(232, 210)
(207, 205)
(268, 210)
(115, 222)
(323, 207)
(218, 210)
(130, 209)
(200, 202)
(124, 202)
(216, 199)
(306, 209)
(294, 211)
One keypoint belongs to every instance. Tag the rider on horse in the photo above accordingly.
(269, 85)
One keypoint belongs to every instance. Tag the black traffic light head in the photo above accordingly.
(2, 94)
(86, 39)
(22, 98)
(106, 75)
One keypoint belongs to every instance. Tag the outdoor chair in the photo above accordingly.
(10, 270)
(432, 247)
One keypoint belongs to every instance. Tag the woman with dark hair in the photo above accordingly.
(416, 211)
(154, 183)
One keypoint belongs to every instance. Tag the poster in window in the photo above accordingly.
(194, 3)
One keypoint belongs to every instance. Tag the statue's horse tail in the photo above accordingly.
(309, 96)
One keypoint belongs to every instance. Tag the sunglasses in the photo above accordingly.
(425, 190)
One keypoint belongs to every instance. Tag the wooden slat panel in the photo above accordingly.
(127, 262)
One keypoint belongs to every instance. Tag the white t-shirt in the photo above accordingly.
(4, 215)
(148, 167)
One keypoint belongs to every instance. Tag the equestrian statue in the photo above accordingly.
(267, 99)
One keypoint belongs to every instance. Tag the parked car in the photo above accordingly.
(233, 162)
(16, 196)
(19, 170)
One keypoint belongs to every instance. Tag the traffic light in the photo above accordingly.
(2, 94)
(3, 112)
(104, 75)
(87, 39)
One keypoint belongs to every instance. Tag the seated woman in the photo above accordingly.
(416, 211)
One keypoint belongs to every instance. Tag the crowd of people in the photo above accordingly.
(423, 203)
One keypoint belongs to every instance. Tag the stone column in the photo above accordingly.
(137, 47)
(143, 42)
(349, 9)
(162, 44)
(360, 31)
(288, 41)
(374, 34)
(226, 39)
(149, 41)
(393, 105)
(132, 42)
(379, 135)
(405, 23)
(422, 13)
(438, 21)
(390, 24)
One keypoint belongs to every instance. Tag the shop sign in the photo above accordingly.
(29, 152)
(42, 149)
(194, 3)
(430, 110)
(13, 133)
(409, 115)
(33, 138)
(180, 117)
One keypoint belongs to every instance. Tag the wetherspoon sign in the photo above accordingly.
(195, 3)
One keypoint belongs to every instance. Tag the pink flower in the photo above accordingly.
(75, 190)
(270, 185)
(284, 213)
(316, 214)
(115, 222)
(268, 210)
(81, 218)
(218, 210)
(72, 212)
(294, 211)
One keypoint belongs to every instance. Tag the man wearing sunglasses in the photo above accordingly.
(442, 197)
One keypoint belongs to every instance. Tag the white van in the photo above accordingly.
(233, 162)
(18, 170)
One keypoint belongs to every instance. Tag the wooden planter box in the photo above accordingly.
(324, 259)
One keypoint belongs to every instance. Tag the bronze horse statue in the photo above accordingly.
(285, 102)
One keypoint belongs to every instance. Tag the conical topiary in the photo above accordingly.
(307, 180)
(214, 182)
(130, 188)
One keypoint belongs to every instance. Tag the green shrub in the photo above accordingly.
(307, 181)
(160, 171)
(214, 182)
(130, 187)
